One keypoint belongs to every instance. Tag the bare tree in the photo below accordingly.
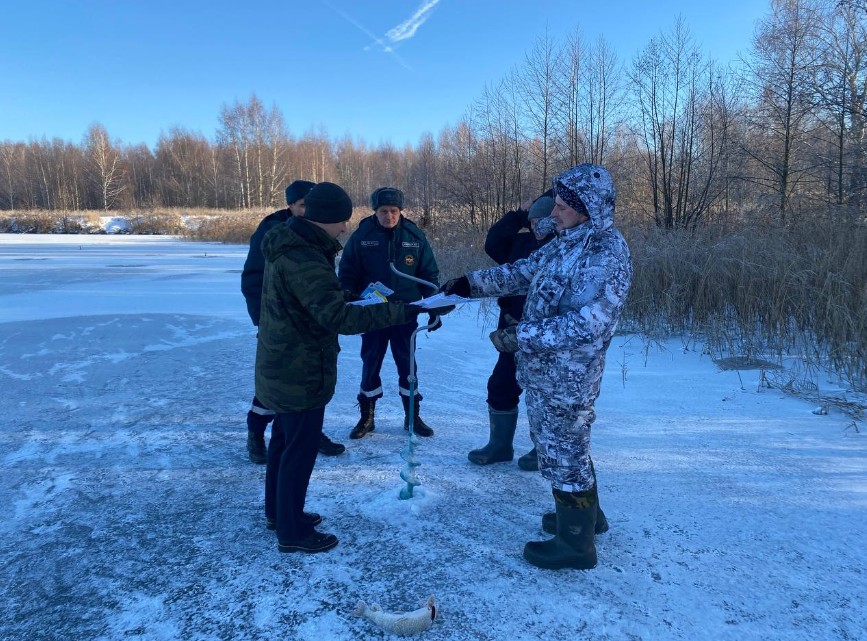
(682, 138)
(538, 89)
(423, 178)
(105, 169)
(781, 65)
(841, 94)
(12, 157)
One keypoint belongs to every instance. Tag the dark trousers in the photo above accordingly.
(291, 457)
(503, 390)
(373, 346)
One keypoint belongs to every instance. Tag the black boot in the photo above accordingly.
(529, 461)
(572, 545)
(256, 424)
(329, 447)
(499, 447)
(256, 448)
(549, 521)
(418, 425)
(365, 424)
(313, 542)
(308, 518)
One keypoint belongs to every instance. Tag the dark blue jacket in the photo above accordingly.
(505, 243)
(370, 248)
(254, 266)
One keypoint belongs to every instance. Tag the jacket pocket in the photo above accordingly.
(328, 368)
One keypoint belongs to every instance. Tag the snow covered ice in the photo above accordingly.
(130, 510)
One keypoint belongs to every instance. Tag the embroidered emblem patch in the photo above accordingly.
(409, 260)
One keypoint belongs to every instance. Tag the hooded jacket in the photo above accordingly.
(370, 249)
(576, 287)
(303, 311)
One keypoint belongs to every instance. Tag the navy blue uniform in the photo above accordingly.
(365, 260)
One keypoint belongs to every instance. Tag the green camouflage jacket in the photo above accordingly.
(303, 311)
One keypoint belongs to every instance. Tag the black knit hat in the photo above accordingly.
(327, 203)
(298, 190)
(386, 196)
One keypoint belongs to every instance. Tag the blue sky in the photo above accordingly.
(140, 68)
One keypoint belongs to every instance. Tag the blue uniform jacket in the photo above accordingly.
(370, 248)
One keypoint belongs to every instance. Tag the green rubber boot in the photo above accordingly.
(499, 447)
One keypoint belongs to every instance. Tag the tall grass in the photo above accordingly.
(785, 293)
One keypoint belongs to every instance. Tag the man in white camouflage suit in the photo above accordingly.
(576, 287)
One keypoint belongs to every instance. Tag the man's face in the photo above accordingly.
(297, 208)
(565, 216)
(388, 216)
(334, 229)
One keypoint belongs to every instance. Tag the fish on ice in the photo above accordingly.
(403, 623)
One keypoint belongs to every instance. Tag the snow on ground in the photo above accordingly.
(131, 511)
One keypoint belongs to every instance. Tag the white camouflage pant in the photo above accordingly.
(561, 433)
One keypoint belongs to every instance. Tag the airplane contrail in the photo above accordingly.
(384, 46)
(406, 29)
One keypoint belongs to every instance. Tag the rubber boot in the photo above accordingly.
(499, 447)
(419, 427)
(366, 423)
(572, 545)
(529, 461)
(549, 521)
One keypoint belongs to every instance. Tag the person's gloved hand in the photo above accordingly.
(458, 286)
(545, 227)
(442, 311)
(350, 297)
(412, 311)
(435, 322)
(505, 340)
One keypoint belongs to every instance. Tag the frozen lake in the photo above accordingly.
(130, 510)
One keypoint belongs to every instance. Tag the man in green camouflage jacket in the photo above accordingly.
(303, 311)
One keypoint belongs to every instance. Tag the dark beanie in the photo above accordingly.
(386, 196)
(298, 190)
(327, 203)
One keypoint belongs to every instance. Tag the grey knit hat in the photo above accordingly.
(542, 208)
(327, 203)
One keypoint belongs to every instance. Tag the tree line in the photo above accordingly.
(689, 141)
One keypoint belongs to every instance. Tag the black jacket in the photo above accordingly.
(506, 243)
(254, 266)
(370, 248)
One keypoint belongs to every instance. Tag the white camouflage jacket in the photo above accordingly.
(576, 287)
